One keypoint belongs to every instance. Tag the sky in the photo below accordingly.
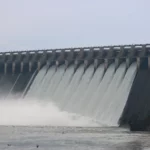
(46, 24)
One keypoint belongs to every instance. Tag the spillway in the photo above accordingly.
(108, 98)
(100, 83)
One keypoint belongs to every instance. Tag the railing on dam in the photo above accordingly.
(29, 61)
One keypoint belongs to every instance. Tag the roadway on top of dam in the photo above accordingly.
(117, 47)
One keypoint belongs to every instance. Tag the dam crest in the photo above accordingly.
(29, 61)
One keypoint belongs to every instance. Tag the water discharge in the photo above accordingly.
(74, 101)
(36, 83)
(57, 96)
(42, 89)
(95, 103)
(95, 81)
(72, 87)
(110, 93)
(65, 97)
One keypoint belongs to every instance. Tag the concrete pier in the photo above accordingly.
(29, 61)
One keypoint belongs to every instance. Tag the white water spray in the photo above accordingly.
(33, 113)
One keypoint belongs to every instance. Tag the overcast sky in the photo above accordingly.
(39, 24)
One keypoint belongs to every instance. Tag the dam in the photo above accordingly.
(109, 84)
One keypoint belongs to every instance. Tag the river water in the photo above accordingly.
(71, 138)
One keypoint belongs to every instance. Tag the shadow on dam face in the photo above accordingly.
(13, 84)
(136, 113)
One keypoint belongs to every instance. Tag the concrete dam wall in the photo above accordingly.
(109, 84)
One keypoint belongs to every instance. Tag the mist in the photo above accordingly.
(35, 113)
